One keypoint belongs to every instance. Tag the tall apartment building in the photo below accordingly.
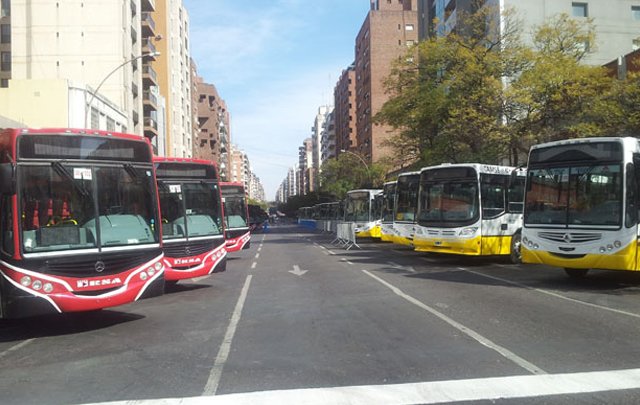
(328, 138)
(173, 68)
(617, 22)
(55, 56)
(256, 189)
(305, 176)
(212, 138)
(388, 30)
(344, 95)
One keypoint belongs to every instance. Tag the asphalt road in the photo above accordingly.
(295, 319)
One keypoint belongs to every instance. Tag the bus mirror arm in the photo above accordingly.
(7, 178)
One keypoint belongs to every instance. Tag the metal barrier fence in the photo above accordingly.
(346, 235)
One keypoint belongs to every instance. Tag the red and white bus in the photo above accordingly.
(236, 216)
(191, 211)
(78, 222)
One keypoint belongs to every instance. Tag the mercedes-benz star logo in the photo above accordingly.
(567, 237)
(99, 266)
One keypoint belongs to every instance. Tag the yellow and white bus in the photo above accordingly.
(404, 218)
(388, 207)
(581, 205)
(470, 209)
(360, 208)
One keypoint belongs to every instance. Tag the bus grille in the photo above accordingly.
(186, 249)
(114, 263)
(570, 237)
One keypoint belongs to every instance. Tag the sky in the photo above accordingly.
(274, 63)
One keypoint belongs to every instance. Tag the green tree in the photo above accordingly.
(477, 95)
(348, 172)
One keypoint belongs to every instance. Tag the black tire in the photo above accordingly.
(576, 273)
(515, 252)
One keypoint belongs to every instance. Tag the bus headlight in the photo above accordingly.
(151, 271)
(37, 285)
(617, 244)
(468, 231)
(602, 249)
(536, 246)
(525, 240)
(48, 287)
(25, 281)
(609, 247)
(143, 275)
(158, 266)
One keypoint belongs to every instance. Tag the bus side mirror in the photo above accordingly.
(7, 179)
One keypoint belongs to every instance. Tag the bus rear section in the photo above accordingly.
(191, 211)
(79, 215)
(404, 216)
(581, 205)
(236, 217)
(470, 209)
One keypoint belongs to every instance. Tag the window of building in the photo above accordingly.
(95, 118)
(635, 12)
(410, 43)
(6, 8)
(408, 27)
(111, 124)
(579, 9)
(5, 34)
(5, 61)
(4, 83)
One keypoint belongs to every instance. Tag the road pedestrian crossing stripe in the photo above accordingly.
(435, 392)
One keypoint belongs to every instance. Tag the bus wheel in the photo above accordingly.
(516, 253)
(576, 273)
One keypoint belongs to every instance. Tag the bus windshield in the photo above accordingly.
(575, 195)
(443, 203)
(388, 204)
(235, 211)
(407, 204)
(58, 203)
(189, 209)
(357, 207)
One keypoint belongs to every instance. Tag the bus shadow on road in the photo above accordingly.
(62, 324)
(596, 282)
(181, 288)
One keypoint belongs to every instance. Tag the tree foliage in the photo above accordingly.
(481, 95)
(348, 172)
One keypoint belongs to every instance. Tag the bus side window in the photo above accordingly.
(631, 203)
(515, 195)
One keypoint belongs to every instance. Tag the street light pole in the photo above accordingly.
(363, 162)
(93, 93)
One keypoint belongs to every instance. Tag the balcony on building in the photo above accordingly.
(148, 26)
(148, 48)
(148, 5)
(150, 101)
(149, 76)
(150, 127)
(134, 8)
(134, 90)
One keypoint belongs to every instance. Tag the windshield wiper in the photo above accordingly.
(62, 171)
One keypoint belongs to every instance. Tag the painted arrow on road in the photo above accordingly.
(296, 270)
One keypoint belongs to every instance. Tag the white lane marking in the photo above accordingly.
(216, 372)
(401, 267)
(16, 347)
(469, 332)
(257, 255)
(259, 248)
(556, 295)
(435, 392)
(253, 265)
